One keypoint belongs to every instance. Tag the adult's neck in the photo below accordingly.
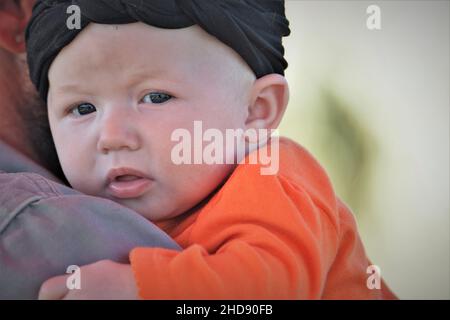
(12, 125)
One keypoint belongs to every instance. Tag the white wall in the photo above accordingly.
(397, 81)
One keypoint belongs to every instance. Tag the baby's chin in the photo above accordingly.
(154, 210)
(161, 203)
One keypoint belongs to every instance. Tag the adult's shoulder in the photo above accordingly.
(21, 187)
(46, 227)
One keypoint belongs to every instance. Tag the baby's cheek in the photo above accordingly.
(86, 186)
(78, 174)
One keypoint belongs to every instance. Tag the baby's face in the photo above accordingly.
(116, 96)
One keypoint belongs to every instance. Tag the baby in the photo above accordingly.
(119, 89)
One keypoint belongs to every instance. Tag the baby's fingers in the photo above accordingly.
(53, 289)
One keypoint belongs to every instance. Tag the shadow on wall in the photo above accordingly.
(346, 149)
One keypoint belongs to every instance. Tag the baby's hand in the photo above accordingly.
(104, 279)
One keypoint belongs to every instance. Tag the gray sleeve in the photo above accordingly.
(46, 233)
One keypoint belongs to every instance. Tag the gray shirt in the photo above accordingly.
(45, 227)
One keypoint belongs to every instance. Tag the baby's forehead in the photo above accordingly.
(136, 48)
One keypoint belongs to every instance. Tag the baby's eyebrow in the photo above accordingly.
(67, 87)
(134, 77)
(159, 73)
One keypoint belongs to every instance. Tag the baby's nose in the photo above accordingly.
(118, 132)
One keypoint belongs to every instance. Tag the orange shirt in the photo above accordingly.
(282, 236)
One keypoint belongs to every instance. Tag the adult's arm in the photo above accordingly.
(46, 227)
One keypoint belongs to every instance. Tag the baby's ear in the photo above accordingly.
(269, 99)
(14, 16)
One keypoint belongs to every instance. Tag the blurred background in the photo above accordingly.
(373, 107)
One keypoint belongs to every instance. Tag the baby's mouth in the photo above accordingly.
(127, 183)
(127, 177)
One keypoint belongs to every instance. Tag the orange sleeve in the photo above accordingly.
(260, 237)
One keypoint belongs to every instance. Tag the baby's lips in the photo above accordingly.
(126, 182)
(130, 188)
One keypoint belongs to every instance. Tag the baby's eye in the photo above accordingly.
(156, 97)
(83, 109)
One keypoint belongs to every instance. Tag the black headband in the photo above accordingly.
(253, 28)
